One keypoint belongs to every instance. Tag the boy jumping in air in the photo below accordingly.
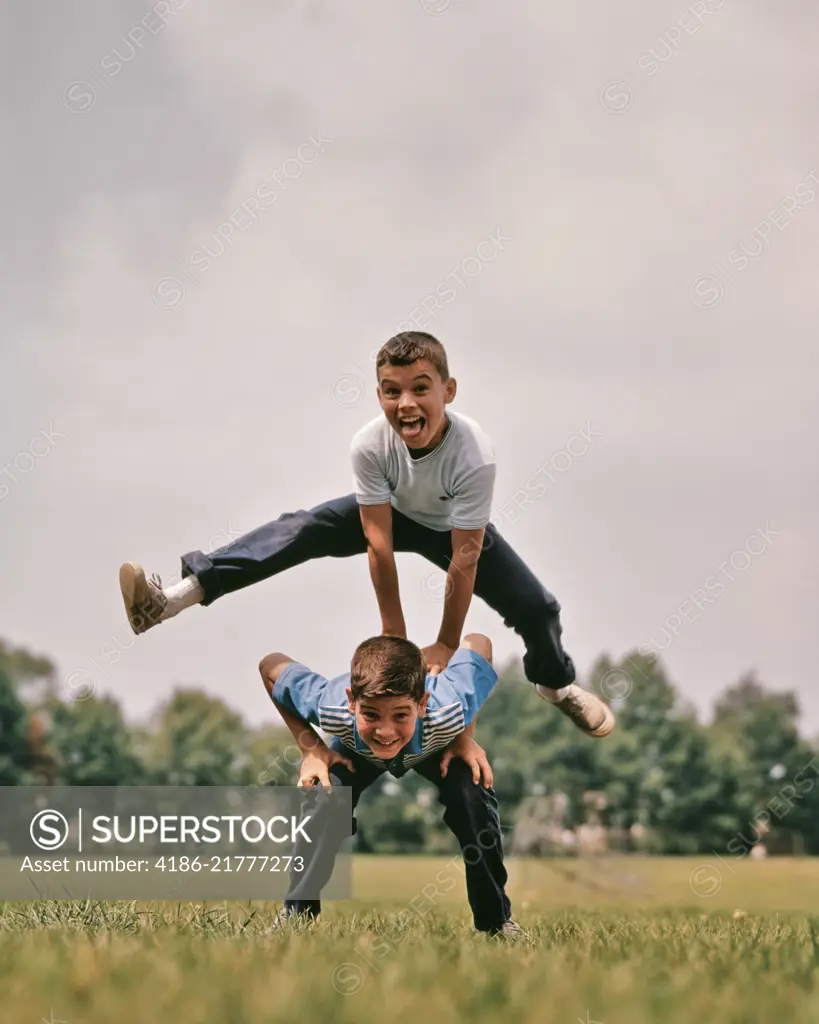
(424, 480)
(388, 714)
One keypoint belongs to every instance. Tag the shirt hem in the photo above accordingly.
(369, 499)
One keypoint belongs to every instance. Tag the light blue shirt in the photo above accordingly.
(455, 697)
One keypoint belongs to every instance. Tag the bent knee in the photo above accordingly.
(480, 644)
(536, 609)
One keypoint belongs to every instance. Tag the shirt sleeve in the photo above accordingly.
(300, 691)
(468, 679)
(472, 501)
(369, 479)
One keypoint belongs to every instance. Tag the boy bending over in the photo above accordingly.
(388, 715)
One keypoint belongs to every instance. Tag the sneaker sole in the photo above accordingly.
(131, 579)
(606, 726)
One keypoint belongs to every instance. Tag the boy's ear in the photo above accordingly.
(350, 701)
(451, 389)
(422, 705)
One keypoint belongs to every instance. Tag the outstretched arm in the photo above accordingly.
(372, 491)
(460, 583)
(270, 668)
(467, 749)
(469, 513)
(464, 746)
(376, 521)
(317, 758)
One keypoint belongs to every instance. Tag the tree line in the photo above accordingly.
(665, 780)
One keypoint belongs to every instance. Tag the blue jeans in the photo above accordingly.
(334, 530)
(470, 812)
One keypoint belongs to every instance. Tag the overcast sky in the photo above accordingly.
(215, 212)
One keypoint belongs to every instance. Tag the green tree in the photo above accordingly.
(22, 666)
(660, 768)
(273, 757)
(391, 820)
(92, 745)
(758, 728)
(15, 754)
(762, 726)
(196, 740)
(533, 748)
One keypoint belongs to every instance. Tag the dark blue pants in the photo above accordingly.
(470, 812)
(334, 530)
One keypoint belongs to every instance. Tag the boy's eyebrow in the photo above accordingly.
(374, 707)
(418, 376)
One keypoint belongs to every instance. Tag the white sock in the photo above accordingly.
(555, 695)
(184, 594)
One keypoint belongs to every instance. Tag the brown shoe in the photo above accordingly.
(144, 598)
(585, 709)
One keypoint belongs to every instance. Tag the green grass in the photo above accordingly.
(618, 941)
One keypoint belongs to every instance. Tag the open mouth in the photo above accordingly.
(411, 426)
(386, 746)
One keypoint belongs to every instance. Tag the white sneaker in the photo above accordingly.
(144, 598)
(585, 709)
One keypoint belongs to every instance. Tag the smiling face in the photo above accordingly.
(386, 724)
(414, 400)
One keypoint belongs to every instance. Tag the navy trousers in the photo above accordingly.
(334, 530)
(470, 812)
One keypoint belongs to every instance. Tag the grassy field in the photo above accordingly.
(616, 941)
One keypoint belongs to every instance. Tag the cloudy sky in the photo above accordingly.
(215, 212)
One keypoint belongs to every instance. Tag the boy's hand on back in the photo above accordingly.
(473, 755)
(437, 657)
(315, 768)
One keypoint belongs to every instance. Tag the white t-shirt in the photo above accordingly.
(450, 487)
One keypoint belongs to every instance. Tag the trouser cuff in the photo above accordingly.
(197, 563)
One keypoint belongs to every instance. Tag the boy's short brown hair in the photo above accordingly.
(407, 348)
(388, 666)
